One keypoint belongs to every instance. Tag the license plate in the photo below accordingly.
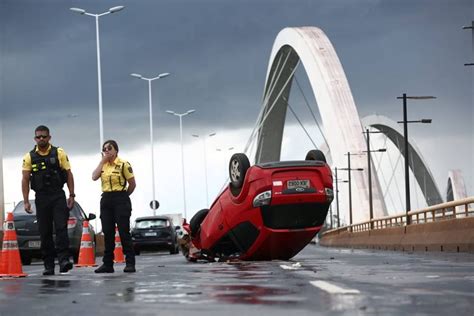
(294, 184)
(150, 234)
(34, 244)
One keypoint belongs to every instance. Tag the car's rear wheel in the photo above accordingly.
(316, 154)
(238, 166)
(196, 220)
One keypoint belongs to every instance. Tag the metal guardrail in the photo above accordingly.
(444, 211)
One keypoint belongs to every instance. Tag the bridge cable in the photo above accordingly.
(301, 124)
(261, 114)
(271, 108)
(312, 113)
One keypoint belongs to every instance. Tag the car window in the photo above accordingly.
(152, 223)
(20, 208)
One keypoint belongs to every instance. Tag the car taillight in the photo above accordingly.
(329, 194)
(263, 198)
(71, 222)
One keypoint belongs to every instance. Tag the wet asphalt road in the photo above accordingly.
(319, 280)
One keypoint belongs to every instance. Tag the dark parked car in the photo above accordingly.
(28, 236)
(154, 233)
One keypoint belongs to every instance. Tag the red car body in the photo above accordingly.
(301, 192)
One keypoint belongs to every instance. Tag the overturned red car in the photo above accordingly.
(268, 211)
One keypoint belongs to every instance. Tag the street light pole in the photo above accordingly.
(99, 73)
(349, 169)
(150, 105)
(406, 155)
(180, 115)
(205, 163)
(337, 198)
(472, 34)
(371, 207)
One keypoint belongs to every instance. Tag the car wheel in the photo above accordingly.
(26, 260)
(238, 166)
(196, 220)
(315, 154)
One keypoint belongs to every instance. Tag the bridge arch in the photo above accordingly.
(417, 164)
(341, 123)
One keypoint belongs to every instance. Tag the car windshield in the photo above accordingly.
(152, 223)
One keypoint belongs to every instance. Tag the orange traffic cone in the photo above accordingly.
(10, 262)
(86, 253)
(118, 251)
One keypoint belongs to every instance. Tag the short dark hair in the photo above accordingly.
(42, 128)
(113, 143)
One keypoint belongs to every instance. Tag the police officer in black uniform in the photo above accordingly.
(47, 168)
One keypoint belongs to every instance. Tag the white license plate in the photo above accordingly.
(34, 244)
(150, 234)
(293, 184)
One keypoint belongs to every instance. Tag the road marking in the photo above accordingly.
(333, 289)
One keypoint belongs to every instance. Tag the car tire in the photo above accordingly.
(316, 154)
(196, 220)
(25, 260)
(238, 166)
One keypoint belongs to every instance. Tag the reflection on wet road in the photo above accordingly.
(328, 281)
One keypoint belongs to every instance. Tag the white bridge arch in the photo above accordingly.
(341, 123)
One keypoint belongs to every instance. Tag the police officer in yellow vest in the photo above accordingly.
(47, 168)
(115, 205)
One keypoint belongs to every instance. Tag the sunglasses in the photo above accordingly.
(41, 136)
(107, 148)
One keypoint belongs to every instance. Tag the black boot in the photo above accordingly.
(129, 268)
(65, 265)
(104, 269)
(48, 271)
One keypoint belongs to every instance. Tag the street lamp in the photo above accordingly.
(205, 162)
(337, 180)
(349, 169)
(405, 136)
(371, 207)
(472, 31)
(99, 76)
(180, 115)
(153, 203)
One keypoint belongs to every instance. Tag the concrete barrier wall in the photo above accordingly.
(455, 235)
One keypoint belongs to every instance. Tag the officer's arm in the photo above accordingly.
(70, 183)
(131, 185)
(25, 189)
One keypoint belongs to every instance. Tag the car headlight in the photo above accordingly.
(263, 198)
(329, 194)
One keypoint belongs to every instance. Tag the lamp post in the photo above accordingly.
(472, 32)
(99, 75)
(349, 169)
(205, 162)
(153, 203)
(180, 115)
(337, 180)
(405, 136)
(371, 207)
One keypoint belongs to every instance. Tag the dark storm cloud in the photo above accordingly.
(217, 52)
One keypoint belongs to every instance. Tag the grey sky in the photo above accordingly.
(217, 52)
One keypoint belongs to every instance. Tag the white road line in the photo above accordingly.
(333, 289)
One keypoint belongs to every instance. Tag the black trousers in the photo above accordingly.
(52, 213)
(116, 208)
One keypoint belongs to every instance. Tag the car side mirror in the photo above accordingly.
(91, 216)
